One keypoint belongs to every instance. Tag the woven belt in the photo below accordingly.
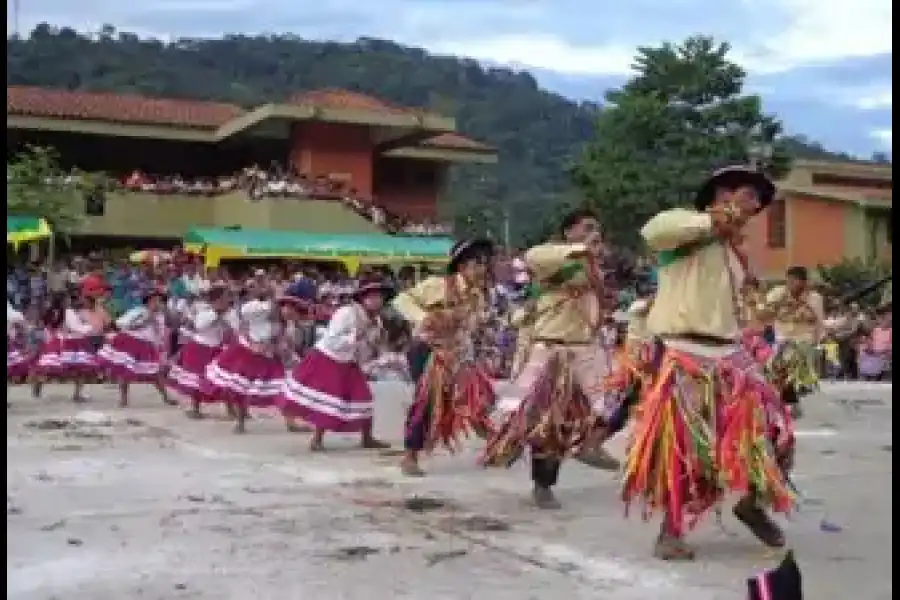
(698, 338)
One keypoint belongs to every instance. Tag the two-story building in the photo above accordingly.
(826, 212)
(365, 149)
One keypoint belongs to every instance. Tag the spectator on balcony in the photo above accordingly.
(136, 180)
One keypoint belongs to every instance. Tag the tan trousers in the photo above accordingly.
(591, 364)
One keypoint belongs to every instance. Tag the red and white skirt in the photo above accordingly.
(128, 359)
(328, 394)
(18, 362)
(188, 372)
(67, 359)
(242, 375)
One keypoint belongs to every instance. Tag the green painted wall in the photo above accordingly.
(148, 215)
(866, 231)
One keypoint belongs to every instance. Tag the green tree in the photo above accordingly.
(36, 187)
(680, 116)
(850, 276)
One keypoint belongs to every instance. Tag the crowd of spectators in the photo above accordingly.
(860, 349)
(277, 182)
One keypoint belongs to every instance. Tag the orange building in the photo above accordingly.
(826, 212)
(393, 156)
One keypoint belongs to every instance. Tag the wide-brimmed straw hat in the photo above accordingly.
(464, 250)
(734, 177)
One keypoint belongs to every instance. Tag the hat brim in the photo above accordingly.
(292, 301)
(733, 178)
(385, 289)
(467, 250)
(155, 294)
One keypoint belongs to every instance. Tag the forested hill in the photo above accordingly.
(537, 132)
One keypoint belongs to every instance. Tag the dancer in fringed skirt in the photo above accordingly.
(204, 335)
(454, 394)
(134, 354)
(710, 423)
(560, 404)
(798, 313)
(247, 373)
(67, 352)
(328, 389)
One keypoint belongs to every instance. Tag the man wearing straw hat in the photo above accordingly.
(798, 314)
(453, 391)
(709, 423)
(559, 401)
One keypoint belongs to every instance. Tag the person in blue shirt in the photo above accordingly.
(304, 288)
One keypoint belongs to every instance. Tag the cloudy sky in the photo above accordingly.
(823, 65)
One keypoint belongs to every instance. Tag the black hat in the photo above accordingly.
(782, 583)
(733, 178)
(468, 249)
(374, 284)
(154, 292)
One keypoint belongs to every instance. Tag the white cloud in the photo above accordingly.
(877, 96)
(876, 99)
(818, 31)
(541, 51)
(883, 137)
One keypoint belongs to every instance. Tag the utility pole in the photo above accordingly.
(506, 236)
(16, 18)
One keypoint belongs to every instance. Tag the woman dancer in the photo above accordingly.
(248, 373)
(67, 353)
(205, 331)
(296, 340)
(17, 361)
(328, 388)
(135, 353)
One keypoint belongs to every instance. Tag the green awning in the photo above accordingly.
(20, 229)
(322, 245)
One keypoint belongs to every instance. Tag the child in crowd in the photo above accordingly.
(831, 350)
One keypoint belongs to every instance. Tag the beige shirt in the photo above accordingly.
(800, 320)
(696, 294)
(567, 313)
(432, 294)
(637, 321)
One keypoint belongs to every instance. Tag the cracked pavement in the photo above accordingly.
(106, 503)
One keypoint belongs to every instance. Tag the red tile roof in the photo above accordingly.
(454, 141)
(345, 100)
(124, 108)
(119, 108)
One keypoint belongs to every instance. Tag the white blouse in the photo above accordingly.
(142, 324)
(74, 325)
(209, 327)
(14, 319)
(258, 326)
(346, 336)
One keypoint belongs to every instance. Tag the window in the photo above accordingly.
(852, 182)
(95, 203)
(777, 224)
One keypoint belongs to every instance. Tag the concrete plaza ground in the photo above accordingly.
(113, 504)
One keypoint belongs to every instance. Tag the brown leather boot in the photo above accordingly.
(748, 512)
(673, 548)
(545, 499)
(598, 458)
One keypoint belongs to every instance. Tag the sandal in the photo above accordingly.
(673, 549)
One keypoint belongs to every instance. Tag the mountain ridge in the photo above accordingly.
(537, 132)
